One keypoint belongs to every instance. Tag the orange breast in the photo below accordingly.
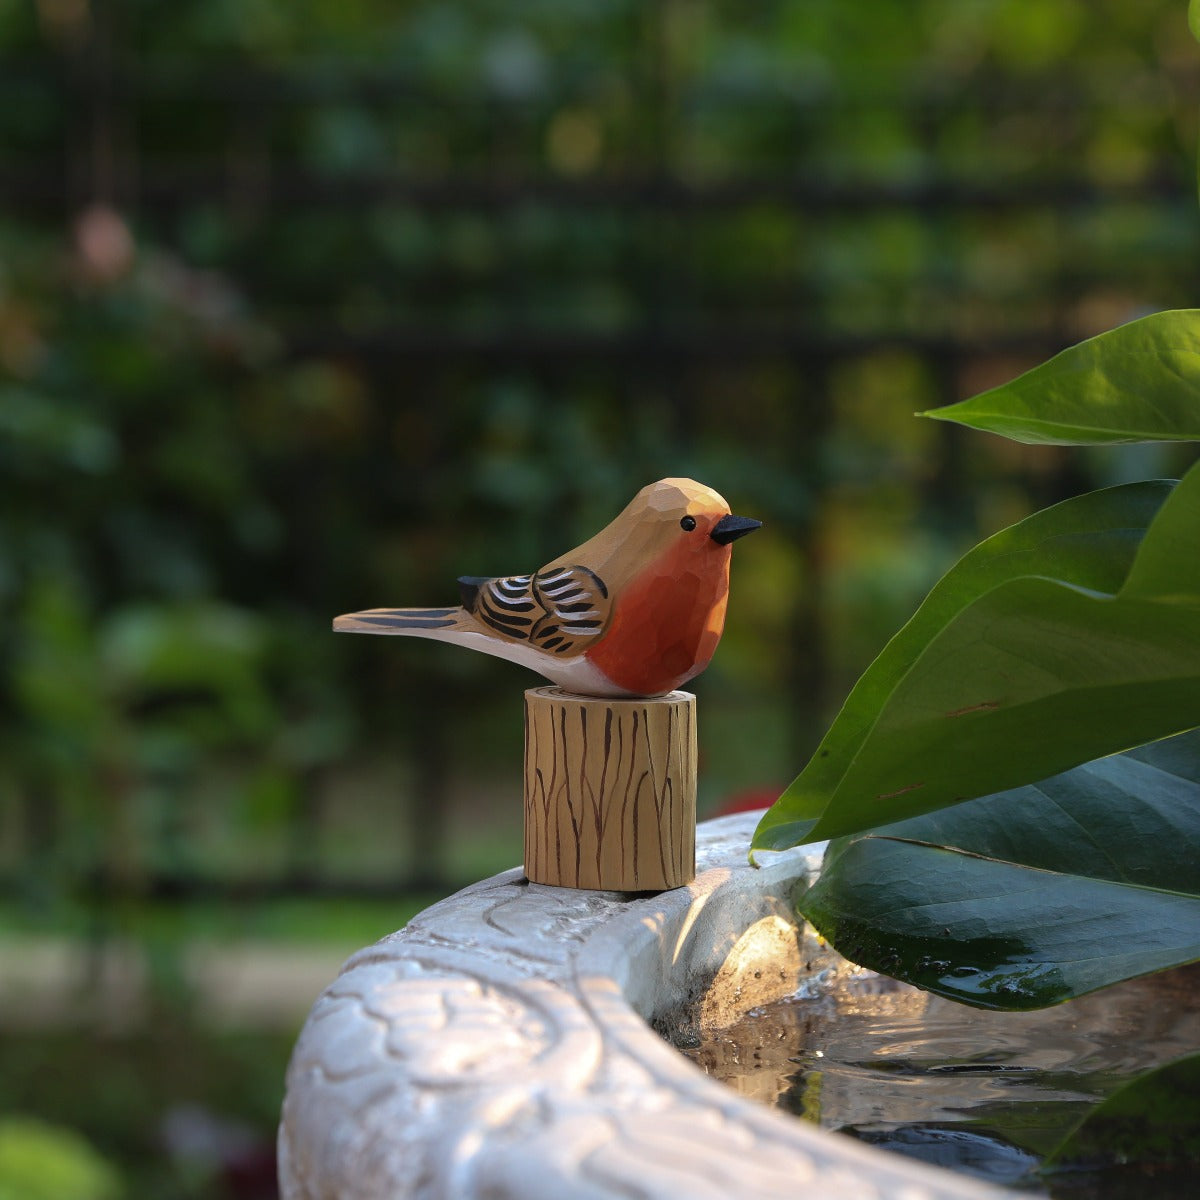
(668, 620)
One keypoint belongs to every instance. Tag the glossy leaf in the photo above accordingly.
(1152, 1119)
(1066, 637)
(1136, 383)
(1029, 897)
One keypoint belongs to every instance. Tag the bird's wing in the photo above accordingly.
(577, 609)
(561, 610)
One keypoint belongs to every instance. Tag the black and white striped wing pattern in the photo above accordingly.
(506, 605)
(560, 609)
(577, 608)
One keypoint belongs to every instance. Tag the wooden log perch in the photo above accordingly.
(610, 790)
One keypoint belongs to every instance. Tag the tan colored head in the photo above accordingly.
(673, 519)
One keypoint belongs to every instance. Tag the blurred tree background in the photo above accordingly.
(309, 306)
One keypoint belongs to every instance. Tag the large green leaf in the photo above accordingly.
(1152, 1119)
(1029, 897)
(1136, 383)
(1063, 638)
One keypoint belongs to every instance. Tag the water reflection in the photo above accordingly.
(987, 1093)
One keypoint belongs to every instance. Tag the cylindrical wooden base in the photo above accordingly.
(610, 790)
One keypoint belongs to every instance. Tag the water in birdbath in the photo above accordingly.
(985, 1093)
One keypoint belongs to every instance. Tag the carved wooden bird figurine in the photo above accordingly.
(636, 610)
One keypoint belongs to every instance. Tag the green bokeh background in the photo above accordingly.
(311, 306)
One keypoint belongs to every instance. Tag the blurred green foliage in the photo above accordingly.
(311, 306)
(41, 1162)
(306, 307)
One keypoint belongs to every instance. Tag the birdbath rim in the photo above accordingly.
(500, 1045)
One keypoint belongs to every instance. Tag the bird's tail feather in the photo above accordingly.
(411, 621)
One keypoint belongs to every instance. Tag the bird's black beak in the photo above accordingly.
(729, 529)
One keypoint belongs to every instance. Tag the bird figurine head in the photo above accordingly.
(636, 610)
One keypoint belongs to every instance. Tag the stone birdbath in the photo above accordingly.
(506, 1043)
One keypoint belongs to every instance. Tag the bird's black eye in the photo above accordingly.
(688, 523)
